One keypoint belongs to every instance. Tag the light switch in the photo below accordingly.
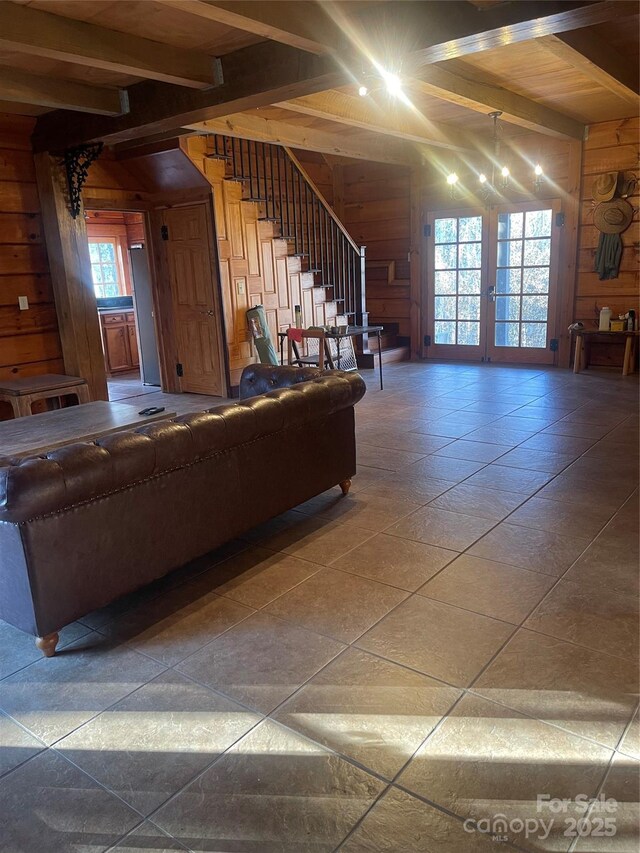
(23, 303)
(240, 287)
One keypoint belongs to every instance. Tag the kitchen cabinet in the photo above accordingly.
(119, 340)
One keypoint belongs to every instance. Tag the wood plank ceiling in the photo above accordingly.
(289, 71)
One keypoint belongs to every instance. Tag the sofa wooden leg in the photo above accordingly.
(345, 485)
(47, 645)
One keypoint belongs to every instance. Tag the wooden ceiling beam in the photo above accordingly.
(467, 89)
(356, 146)
(37, 33)
(254, 76)
(304, 25)
(598, 60)
(398, 120)
(270, 72)
(456, 29)
(23, 88)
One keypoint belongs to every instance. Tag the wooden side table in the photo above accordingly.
(22, 393)
(583, 349)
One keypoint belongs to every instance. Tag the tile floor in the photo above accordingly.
(372, 673)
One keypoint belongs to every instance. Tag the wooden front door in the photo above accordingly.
(196, 306)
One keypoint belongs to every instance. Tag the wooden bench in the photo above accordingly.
(583, 348)
(22, 393)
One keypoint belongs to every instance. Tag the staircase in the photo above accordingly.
(286, 196)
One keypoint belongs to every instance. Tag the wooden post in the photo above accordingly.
(68, 250)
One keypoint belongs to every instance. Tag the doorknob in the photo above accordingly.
(208, 313)
(491, 293)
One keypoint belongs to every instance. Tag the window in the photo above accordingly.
(106, 267)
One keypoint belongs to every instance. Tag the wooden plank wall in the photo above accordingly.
(611, 146)
(29, 340)
(319, 171)
(131, 223)
(112, 185)
(376, 212)
(255, 267)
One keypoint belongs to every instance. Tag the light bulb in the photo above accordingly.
(505, 172)
(363, 91)
(392, 82)
(538, 169)
(482, 178)
(452, 178)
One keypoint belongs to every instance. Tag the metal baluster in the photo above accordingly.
(323, 267)
(333, 252)
(234, 167)
(295, 209)
(341, 262)
(313, 264)
(271, 205)
(280, 193)
(256, 154)
(260, 161)
(250, 169)
(307, 194)
(301, 211)
(285, 170)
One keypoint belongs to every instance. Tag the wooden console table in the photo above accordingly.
(40, 433)
(21, 393)
(583, 348)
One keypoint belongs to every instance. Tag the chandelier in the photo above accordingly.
(499, 174)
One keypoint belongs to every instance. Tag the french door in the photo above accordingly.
(492, 283)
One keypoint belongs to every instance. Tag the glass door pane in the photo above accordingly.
(456, 277)
(524, 284)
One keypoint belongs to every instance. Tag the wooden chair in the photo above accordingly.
(313, 357)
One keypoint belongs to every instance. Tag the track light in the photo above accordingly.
(482, 178)
(363, 91)
(452, 178)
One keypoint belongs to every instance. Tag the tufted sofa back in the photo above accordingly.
(64, 477)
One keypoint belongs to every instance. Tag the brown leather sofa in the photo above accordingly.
(87, 523)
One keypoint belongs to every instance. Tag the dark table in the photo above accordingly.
(351, 332)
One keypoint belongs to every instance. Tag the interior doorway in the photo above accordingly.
(492, 283)
(123, 285)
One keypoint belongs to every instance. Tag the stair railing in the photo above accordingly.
(273, 176)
